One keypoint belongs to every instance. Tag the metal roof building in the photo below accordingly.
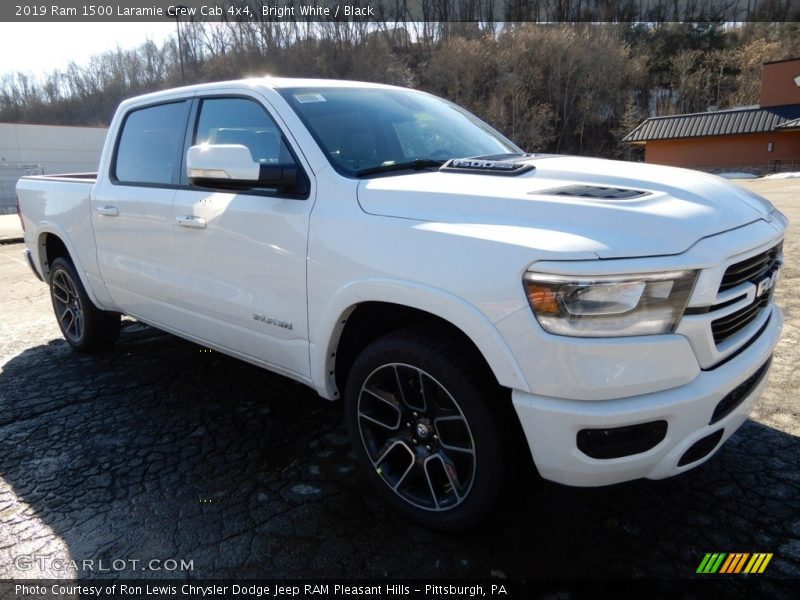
(735, 121)
(765, 137)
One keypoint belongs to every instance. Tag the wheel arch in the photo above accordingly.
(51, 247)
(363, 311)
(51, 244)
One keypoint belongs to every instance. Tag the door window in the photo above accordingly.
(242, 121)
(245, 122)
(147, 152)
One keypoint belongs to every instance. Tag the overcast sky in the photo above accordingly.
(39, 48)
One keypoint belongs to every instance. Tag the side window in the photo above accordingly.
(148, 146)
(245, 122)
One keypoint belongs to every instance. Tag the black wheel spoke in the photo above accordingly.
(68, 324)
(443, 479)
(452, 473)
(389, 446)
(410, 386)
(431, 486)
(380, 410)
(400, 391)
(78, 324)
(380, 396)
(454, 434)
(60, 291)
(402, 478)
(67, 305)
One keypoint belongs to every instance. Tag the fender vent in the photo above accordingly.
(593, 191)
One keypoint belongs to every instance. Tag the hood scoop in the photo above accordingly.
(593, 191)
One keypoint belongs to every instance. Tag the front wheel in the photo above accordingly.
(419, 416)
(83, 325)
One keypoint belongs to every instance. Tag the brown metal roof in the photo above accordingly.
(772, 62)
(722, 122)
(790, 125)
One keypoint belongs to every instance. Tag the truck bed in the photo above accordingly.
(58, 204)
(71, 177)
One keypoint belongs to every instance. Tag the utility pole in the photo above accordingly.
(176, 11)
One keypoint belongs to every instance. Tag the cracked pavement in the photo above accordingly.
(160, 449)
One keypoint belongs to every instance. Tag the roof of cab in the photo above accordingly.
(253, 83)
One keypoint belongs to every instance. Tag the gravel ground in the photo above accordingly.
(160, 449)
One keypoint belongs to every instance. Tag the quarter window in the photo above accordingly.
(148, 146)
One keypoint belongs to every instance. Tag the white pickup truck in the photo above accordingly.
(384, 246)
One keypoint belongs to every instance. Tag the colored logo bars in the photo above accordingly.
(720, 562)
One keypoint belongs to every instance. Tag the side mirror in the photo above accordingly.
(232, 166)
(226, 162)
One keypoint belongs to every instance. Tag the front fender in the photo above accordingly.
(327, 329)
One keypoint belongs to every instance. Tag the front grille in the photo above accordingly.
(725, 327)
(752, 269)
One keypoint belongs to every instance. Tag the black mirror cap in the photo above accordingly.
(284, 178)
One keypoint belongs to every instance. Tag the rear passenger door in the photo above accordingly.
(132, 210)
(241, 254)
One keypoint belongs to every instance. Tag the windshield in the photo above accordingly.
(363, 129)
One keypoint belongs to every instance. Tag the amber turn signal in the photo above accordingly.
(544, 300)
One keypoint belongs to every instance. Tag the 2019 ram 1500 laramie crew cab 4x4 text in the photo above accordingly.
(383, 245)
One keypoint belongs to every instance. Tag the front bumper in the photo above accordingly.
(551, 425)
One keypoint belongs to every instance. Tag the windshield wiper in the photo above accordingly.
(500, 156)
(413, 165)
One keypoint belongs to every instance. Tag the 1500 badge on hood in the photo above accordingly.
(484, 166)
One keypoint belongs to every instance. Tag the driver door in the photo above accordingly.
(241, 254)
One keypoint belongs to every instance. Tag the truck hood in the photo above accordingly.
(678, 207)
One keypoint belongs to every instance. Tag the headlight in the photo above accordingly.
(609, 305)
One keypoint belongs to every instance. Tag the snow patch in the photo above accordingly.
(737, 175)
(792, 175)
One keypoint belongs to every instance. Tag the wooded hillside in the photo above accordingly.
(570, 88)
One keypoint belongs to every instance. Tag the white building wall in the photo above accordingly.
(55, 148)
(58, 149)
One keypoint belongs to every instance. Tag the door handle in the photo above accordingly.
(108, 211)
(191, 221)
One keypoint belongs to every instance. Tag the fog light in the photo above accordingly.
(616, 442)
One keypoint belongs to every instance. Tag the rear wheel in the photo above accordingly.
(419, 417)
(83, 325)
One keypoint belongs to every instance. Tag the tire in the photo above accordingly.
(420, 420)
(85, 327)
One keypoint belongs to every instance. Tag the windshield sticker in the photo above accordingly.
(306, 98)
